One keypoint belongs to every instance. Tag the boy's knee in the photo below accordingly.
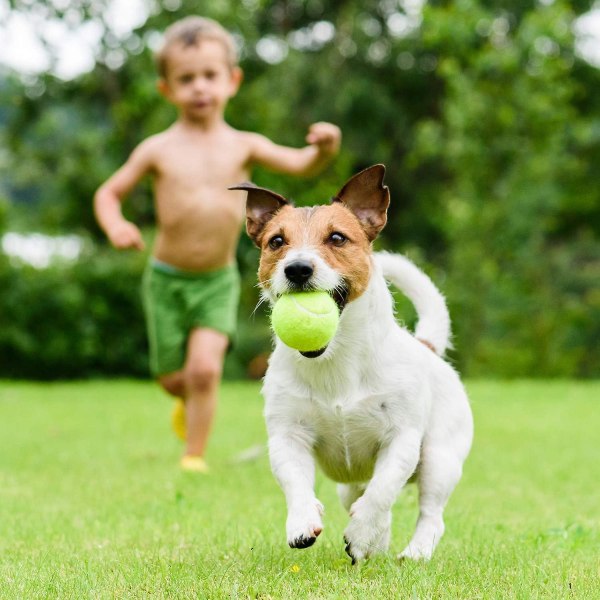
(173, 384)
(202, 377)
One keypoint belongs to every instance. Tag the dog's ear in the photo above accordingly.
(261, 206)
(367, 197)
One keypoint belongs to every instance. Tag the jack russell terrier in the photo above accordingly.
(377, 406)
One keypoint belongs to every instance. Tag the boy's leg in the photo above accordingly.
(173, 383)
(206, 350)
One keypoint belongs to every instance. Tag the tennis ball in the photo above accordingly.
(305, 321)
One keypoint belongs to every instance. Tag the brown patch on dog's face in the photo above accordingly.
(332, 231)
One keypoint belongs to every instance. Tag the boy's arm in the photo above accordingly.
(107, 201)
(324, 140)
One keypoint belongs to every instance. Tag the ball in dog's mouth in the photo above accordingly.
(340, 297)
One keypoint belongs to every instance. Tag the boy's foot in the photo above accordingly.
(193, 464)
(178, 419)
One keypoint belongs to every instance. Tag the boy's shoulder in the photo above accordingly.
(159, 139)
(240, 134)
(153, 147)
(251, 139)
(152, 142)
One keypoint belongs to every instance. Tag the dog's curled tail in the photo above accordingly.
(433, 326)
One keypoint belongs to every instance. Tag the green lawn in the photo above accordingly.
(92, 504)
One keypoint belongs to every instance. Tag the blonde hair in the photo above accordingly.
(190, 31)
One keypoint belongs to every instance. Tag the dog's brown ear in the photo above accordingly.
(261, 206)
(367, 197)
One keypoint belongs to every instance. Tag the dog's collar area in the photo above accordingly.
(314, 353)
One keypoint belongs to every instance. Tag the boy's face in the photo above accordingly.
(199, 80)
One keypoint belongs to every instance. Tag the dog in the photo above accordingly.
(376, 407)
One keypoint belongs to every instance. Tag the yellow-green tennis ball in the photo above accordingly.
(305, 321)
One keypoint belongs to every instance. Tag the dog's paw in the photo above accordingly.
(413, 552)
(304, 525)
(426, 537)
(368, 532)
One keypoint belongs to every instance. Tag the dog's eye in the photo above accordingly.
(337, 238)
(276, 242)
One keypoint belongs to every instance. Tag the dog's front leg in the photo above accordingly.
(370, 515)
(294, 468)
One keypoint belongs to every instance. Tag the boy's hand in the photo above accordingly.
(126, 235)
(326, 136)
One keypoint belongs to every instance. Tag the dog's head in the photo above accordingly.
(320, 247)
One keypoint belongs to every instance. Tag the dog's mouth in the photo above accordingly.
(340, 297)
(314, 353)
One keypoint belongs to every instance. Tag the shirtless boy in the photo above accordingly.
(191, 285)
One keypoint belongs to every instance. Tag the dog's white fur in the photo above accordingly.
(377, 407)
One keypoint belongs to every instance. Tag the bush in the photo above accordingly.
(73, 320)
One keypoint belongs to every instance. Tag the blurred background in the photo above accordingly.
(486, 114)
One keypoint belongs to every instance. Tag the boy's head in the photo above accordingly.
(192, 31)
(198, 68)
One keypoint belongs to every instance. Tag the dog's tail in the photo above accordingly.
(433, 326)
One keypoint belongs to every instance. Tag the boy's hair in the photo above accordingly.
(190, 31)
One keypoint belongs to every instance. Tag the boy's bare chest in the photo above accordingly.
(190, 165)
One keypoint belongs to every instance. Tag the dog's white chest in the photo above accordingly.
(348, 435)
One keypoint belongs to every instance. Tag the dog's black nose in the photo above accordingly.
(299, 271)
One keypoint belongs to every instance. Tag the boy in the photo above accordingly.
(191, 285)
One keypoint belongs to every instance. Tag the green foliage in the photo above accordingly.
(514, 162)
(486, 119)
(94, 505)
(72, 320)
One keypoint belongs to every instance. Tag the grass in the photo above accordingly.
(92, 504)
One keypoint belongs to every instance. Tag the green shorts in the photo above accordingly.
(177, 301)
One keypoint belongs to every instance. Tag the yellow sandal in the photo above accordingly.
(193, 464)
(178, 419)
